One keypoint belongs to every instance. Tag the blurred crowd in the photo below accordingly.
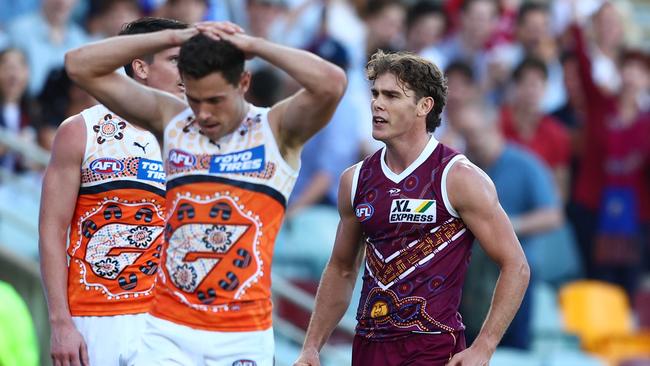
(550, 98)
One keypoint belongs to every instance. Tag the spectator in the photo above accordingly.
(10, 10)
(612, 215)
(60, 99)
(187, 11)
(14, 116)
(385, 24)
(107, 17)
(462, 90)
(45, 36)
(333, 149)
(525, 189)
(534, 40)
(426, 25)
(523, 122)
(478, 20)
(608, 37)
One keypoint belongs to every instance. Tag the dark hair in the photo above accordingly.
(54, 99)
(148, 25)
(422, 9)
(530, 7)
(416, 73)
(201, 56)
(97, 8)
(265, 87)
(374, 7)
(567, 56)
(461, 67)
(632, 54)
(529, 63)
(467, 3)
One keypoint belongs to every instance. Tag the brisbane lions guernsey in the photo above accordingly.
(225, 203)
(417, 247)
(117, 226)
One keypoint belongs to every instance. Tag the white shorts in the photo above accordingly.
(165, 343)
(111, 340)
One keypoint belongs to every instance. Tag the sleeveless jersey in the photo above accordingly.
(117, 226)
(225, 203)
(417, 247)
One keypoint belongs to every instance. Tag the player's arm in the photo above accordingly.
(339, 277)
(297, 118)
(472, 194)
(58, 199)
(94, 68)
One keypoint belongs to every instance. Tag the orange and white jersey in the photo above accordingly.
(117, 228)
(225, 203)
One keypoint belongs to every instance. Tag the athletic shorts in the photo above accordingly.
(413, 350)
(165, 343)
(111, 340)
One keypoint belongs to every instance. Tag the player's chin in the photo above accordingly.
(379, 134)
(212, 130)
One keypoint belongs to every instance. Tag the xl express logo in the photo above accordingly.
(413, 211)
(151, 170)
(106, 166)
(246, 161)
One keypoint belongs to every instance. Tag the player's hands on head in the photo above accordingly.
(215, 29)
(181, 35)
(308, 358)
(67, 346)
(232, 33)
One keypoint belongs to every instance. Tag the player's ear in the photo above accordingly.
(244, 82)
(140, 69)
(424, 106)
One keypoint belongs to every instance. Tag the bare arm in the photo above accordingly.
(473, 195)
(58, 199)
(540, 220)
(297, 118)
(93, 67)
(561, 176)
(337, 283)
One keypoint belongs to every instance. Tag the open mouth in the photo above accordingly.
(376, 120)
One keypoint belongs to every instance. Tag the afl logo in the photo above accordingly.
(181, 159)
(244, 363)
(106, 166)
(364, 211)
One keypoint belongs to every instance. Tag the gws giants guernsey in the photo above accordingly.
(225, 203)
(417, 248)
(117, 226)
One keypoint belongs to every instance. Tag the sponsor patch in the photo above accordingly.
(244, 363)
(413, 211)
(151, 170)
(106, 166)
(364, 211)
(245, 161)
(181, 159)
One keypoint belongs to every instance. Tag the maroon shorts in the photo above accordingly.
(413, 350)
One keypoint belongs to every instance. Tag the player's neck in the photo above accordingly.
(401, 153)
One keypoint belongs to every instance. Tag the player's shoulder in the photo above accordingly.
(466, 182)
(72, 125)
(71, 135)
(464, 171)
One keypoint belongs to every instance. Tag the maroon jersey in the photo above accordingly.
(417, 247)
